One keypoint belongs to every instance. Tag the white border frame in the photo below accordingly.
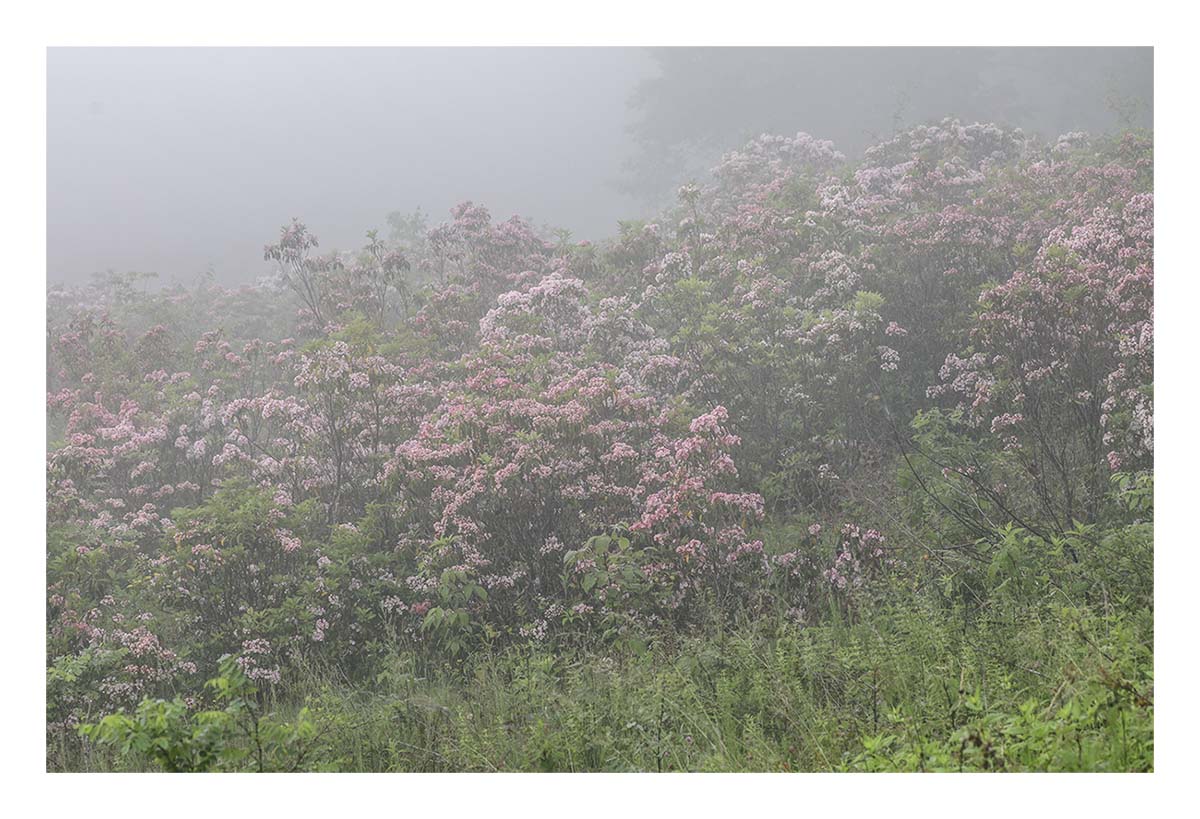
(614, 22)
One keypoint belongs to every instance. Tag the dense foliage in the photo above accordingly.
(837, 465)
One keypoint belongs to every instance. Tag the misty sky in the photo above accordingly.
(176, 161)
(172, 160)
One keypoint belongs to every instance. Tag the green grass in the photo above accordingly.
(912, 687)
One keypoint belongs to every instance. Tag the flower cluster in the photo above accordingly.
(488, 433)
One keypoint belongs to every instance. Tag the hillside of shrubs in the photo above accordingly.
(837, 464)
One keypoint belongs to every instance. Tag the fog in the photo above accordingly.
(174, 160)
(832, 450)
(180, 161)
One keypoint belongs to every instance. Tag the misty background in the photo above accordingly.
(182, 161)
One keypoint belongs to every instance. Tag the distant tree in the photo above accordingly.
(704, 101)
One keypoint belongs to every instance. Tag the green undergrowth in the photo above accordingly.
(912, 687)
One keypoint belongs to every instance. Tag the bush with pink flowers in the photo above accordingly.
(814, 384)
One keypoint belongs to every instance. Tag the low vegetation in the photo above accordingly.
(835, 466)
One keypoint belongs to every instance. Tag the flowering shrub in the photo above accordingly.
(1060, 369)
(483, 436)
